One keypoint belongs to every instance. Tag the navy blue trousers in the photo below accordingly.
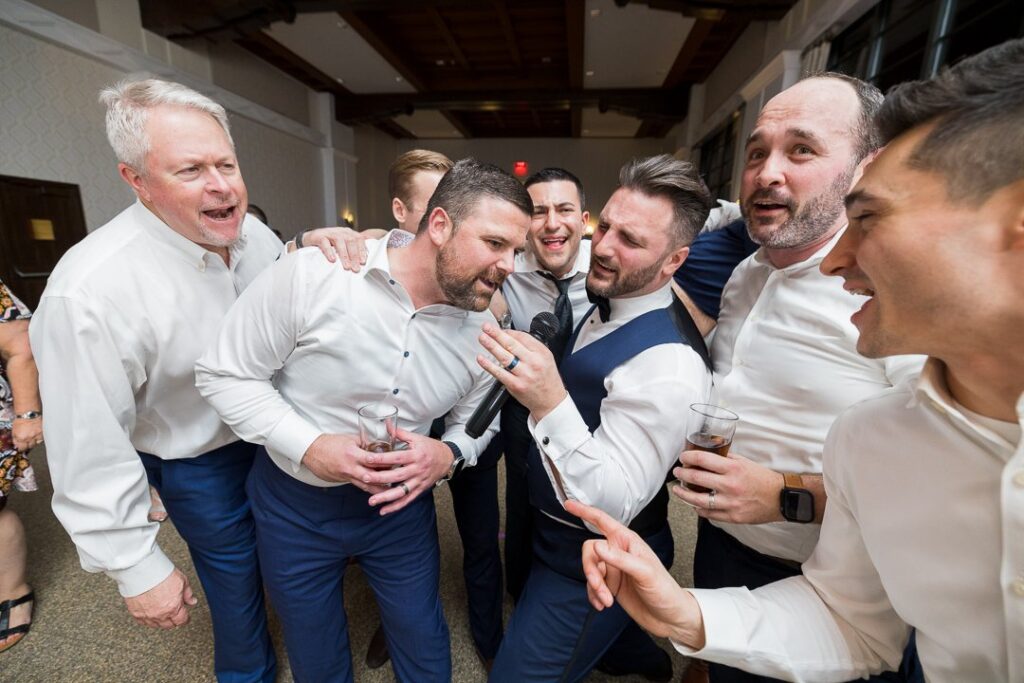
(475, 501)
(720, 561)
(205, 498)
(554, 633)
(306, 537)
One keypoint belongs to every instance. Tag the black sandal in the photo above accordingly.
(5, 619)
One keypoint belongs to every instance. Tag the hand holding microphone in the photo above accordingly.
(527, 371)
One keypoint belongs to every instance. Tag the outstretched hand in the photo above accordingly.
(622, 567)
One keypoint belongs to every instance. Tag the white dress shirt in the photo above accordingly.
(309, 343)
(124, 316)
(622, 465)
(786, 361)
(924, 527)
(528, 292)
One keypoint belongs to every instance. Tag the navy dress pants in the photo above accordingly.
(475, 501)
(720, 561)
(205, 498)
(307, 535)
(554, 634)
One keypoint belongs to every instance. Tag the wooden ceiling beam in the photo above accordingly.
(501, 8)
(449, 37)
(382, 48)
(575, 16)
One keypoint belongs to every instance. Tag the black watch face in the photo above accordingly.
(798, 505)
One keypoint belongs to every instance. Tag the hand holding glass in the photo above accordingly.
(709, 428)
(377, 425)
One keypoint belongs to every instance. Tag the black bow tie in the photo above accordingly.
(604, 309)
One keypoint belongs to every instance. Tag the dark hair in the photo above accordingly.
(408, 164)
(467, 183)
(679, 183)
(977, 106)
(258, 212)
(552, 174)
(870, 99)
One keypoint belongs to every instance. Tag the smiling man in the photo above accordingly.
(124, 317)
(308, 345)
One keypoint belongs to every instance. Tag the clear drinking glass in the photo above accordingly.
(377, 425)
(709, 428)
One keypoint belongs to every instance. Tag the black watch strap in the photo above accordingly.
(457, 463)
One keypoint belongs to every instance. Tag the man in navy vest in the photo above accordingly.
(607, 428)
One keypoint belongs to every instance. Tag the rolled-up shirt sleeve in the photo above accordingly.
(622, 465)
(101, 494)
(236, 374)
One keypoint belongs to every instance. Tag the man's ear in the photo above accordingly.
(586, 219)
(1016, 224)
(399, 212)
(674, 260)
(859, 171)
(134, 180)
(439, 226)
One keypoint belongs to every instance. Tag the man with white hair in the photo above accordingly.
(121, 323)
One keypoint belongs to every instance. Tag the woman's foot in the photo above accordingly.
(157, 513)
(15, 618)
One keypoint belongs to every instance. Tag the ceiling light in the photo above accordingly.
(342, 24)
(398, 79)
(586, 130)
(340, 80)
(595, 12)
(439, 62)
(590, 73)
(545, 60)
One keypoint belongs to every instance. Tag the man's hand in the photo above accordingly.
(745, 492)
(27, 434)
(416, 469)
(338, 457)
(534, 380)
(624, 568)
(165, 605)
(340, 243)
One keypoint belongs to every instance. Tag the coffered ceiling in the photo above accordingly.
(484, 68)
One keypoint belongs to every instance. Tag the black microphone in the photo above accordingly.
(543, 327)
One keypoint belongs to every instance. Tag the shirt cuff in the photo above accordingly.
(561, 431)
(726, 633)
(147, 574)
(292, 437)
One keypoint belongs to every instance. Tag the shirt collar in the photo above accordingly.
(377, 262)
(635, 306)
(193, 253)
(813, 261)
(930, 389)
(526, 262)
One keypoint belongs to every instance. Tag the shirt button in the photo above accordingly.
(391, 282)
(545, 441)
(406, 354)
(1018, 587)
(394, 391)
(1018, 479)
(413, 316)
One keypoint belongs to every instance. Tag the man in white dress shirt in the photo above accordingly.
(122, 320)
(784, 350)
(609, 434)
(925, 522)
(303, 349)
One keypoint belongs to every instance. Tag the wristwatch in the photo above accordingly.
(30, 415)
(457, 463)
(795, 502)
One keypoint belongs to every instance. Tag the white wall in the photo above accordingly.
(52, 123)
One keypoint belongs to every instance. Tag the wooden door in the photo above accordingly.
(39, 221)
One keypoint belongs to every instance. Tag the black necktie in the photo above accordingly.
(563, 311)
(604, 309)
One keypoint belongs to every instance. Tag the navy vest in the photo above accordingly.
(584, 373)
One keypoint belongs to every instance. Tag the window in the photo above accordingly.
(717, 153)
(902, 40)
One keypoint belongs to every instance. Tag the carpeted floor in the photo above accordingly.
(81, 631)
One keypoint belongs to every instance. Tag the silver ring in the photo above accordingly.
(405, 488)
(711, 500)
(512, 364)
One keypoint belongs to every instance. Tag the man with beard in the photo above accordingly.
(784, 351)
(609, 434)
(924, 479)
(304, 348)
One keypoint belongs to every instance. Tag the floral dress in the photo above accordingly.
(15, 469)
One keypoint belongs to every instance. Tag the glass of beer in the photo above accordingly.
(709, 428)
(377, 425)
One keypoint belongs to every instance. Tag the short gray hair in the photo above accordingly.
(128, 104)
(679, 183)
